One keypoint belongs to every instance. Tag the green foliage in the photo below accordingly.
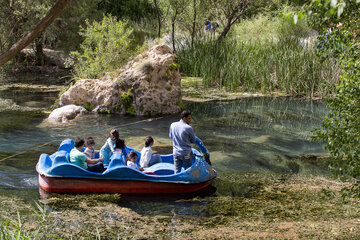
(181, 105)
(126, 100)
(174, 66)
(107, 46)
(277, 25)
(259, 66)
(341, 126)
(88, 106)
(134, 10)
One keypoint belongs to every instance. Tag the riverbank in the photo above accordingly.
(194, 90)
(246, 205)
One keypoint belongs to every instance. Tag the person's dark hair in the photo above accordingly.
(120, 143)
(114, 133)
(185, 114)
(148, 141)
(79, 142)
(132, 154)
(89, 141)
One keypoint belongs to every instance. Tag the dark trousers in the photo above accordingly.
(98, 167)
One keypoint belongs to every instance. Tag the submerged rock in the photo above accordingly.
(65, 113)
(147, 85)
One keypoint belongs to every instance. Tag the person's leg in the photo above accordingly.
(104, 153)
(178, 162)
(187, 160)
(155, 158)
(98, 167)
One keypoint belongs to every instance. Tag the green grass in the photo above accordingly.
(259, 66)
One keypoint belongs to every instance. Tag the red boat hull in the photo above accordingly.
(88, 185)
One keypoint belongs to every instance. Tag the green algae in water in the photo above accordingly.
(19, 120)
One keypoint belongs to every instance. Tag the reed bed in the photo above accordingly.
(286, 66)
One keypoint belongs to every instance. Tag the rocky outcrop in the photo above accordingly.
(147, 85)
(65, 113)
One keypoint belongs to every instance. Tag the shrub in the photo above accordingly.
(106, 46)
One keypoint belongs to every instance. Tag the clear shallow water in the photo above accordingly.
(251, 134)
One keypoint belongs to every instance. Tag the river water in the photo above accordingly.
(251, 134)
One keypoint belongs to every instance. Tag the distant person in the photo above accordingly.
(131, 161)
(208, 24)
(182, 135)
(109, 147)
(80, 159)
(147, 158)
(90, 148)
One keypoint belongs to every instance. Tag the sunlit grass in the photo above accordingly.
(259, 66)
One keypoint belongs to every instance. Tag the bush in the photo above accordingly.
(106, 46)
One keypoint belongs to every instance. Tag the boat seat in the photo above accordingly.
(60, 158)
(117, 159)
(67, 145)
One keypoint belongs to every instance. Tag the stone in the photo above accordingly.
(148, 85)
(65, 113)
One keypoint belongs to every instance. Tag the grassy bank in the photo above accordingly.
(246, 205)
(260, 66)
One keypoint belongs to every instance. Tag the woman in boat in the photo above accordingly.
(80, 159)
(108, 148)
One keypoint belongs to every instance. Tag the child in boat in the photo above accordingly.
(90, 147)
(119, 146)
(147, 158)
(108, 147)
(131, 161)
(80, 159)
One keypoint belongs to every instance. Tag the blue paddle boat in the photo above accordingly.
(57, 174)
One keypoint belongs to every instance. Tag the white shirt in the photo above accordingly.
(132, 165)
(146, 153)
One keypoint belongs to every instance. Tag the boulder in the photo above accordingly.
(148, 85)
(65, 113)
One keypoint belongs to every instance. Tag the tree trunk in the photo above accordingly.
(173, 34)
(158, 17)
(28, 38)
(39, 53)
(194, 25)
(225, 31)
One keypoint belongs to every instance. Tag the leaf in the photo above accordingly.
(300, 15)
(330, 12)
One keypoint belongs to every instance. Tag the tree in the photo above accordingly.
(232, 10)
(162, 10)
(177, 8)
(36, 32)
(341, 126)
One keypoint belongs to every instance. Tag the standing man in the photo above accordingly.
(182, 135)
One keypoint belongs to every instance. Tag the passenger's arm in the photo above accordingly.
(93, 161)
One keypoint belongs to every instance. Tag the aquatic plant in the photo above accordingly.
(259, 66)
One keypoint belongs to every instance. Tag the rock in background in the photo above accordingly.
(147, 85)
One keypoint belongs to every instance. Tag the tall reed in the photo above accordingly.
(268, 66)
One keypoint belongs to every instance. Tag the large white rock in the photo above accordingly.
(147, 85)
(65, 113)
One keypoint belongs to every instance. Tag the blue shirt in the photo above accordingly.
(182, 135)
